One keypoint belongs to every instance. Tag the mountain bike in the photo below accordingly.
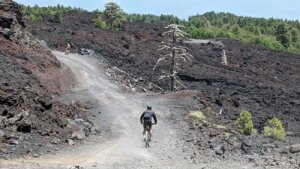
(147, 137)
(67, 52)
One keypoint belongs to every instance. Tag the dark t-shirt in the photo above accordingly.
(147, 116)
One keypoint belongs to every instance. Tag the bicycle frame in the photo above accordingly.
(147, 137)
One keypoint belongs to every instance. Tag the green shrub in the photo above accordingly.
(227, 135)
(275, 129)
(205, 33)
(207, 110)
(57, 17)
(246, 37)
(295, 48)
(198, 116)
(225, 34)
(269, 42)
(236, 29)
(34, 18)
(99, 23)
(244, 123)
(201, 33)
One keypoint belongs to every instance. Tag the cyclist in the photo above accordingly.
(146, 120)
(68, 48)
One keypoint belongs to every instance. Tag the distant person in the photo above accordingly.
(146, 120)
(68, 48)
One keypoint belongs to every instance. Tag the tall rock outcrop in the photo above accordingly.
(29, 116)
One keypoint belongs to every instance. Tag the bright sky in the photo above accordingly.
(284, 9)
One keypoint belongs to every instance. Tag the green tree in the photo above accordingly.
(99, 23)
(114, 14)
(294, 34)
(283, 35)
(236, 29)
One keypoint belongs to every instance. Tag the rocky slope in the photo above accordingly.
(256, 79)
(262, 81)
(32, 119)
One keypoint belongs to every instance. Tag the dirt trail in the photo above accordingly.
(124, 148)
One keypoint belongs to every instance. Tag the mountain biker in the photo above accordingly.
(68, 48)
(146, 120)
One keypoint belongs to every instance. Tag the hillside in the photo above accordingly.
(276, 34)
(257, 79)
(52, 101)
(31, 79)
(255, 75)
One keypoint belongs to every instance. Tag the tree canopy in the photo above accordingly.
(114, 14)
(272, 33)
(276, 34)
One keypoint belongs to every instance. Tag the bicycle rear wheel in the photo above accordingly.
(147, 139)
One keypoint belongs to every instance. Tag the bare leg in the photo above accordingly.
(150, 133)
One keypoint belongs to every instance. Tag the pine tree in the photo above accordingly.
(283, 35)
(114, 14)
(294, 34)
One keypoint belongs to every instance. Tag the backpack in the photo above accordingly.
(147, 116)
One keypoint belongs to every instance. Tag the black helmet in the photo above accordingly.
(149, 107)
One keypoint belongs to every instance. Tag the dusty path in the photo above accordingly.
(124, 148)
